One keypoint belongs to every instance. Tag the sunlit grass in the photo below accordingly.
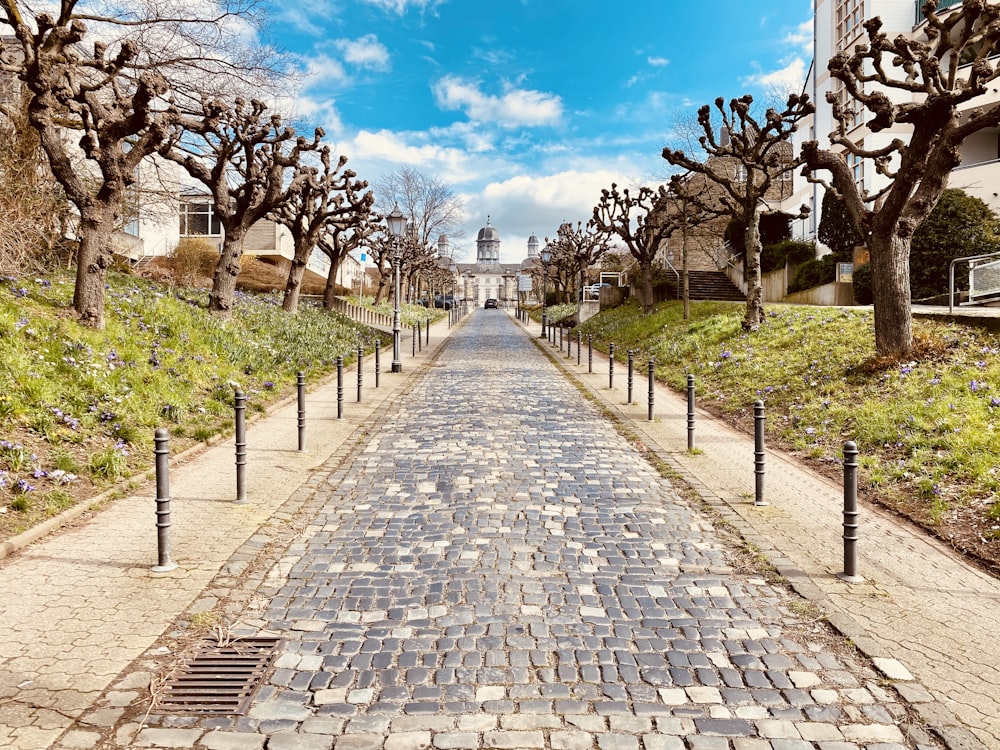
(927, 429)
(78, 407)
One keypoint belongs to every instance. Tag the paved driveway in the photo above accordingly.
(498, 568)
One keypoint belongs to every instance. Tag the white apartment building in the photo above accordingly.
(838, 26)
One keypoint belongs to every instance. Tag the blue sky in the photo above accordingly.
(527, 108)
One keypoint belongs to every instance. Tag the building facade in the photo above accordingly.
(488, 278)
(838, 25)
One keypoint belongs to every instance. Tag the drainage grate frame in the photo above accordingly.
(220, 680)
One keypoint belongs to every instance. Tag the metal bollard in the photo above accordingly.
(543, 335)
(579, 345)
(560, 338)
(300, 379)
(378, 360)
(569, 345)
(415, 339)
(590, 353)
(690, 413)
(361, 370)
(850, 573)
(652, 367)
(241, 447)
(758, 453)
(428, 336)
(340, 386)
(163, 562)
(631, 354)
(420, 338)
(611, 365)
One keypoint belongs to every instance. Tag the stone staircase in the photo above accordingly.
(713, 285)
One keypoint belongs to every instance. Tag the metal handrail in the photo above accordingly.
(951, 274)
(671, 267)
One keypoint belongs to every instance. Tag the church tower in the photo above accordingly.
(488, 246)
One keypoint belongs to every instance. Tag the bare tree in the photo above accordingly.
(322, 199)
(427, 203)
(238, 153)
(685, 206)
(120, 117)
(923, 97)
(337, 241)
(577, 249)
(745, 159)
(632, 218)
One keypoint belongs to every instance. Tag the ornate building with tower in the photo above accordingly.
(488, 278)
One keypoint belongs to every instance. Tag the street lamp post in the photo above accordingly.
(546, 256)
(397, 225)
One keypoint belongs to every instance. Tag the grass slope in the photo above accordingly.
(928, 430)
(78, 407)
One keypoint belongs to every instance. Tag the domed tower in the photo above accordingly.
(488, 245)
(532, 246)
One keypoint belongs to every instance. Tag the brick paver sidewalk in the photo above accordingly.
(79, 606)
(920, 603)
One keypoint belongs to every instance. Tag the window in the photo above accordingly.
(199, 220)
(857, 165)
(849, 18)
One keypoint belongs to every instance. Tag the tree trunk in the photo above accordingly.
(646, 269)
(330, 290)
(754, 315)
(220, 299)
(685, 277)
(891, 292)
(92, 262)
(293, 287)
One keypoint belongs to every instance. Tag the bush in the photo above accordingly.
(193, 260)
(813, 273)
(775, 256)
(863, 294)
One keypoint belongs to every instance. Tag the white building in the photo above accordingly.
(488, 278)
(838, 26)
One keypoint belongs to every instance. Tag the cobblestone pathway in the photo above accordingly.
(498, 568)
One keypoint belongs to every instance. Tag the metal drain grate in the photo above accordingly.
(220, 680)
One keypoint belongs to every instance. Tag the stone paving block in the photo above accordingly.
(219, 740)
(514, 740)
(152, 737)
(408, 741)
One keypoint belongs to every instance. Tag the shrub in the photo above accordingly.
(863, 294)
(193, 260)
(813, 273)
(775, 256)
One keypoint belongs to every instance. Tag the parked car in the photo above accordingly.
(444, 301)
(593, 291)
(491, 303)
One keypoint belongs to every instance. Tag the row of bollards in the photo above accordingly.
(162, 440)
(850, 513)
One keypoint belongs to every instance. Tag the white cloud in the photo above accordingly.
(657, 61)
(787, 79)
(400, 7)
(366, 52)
(515, 107)
(801, 36)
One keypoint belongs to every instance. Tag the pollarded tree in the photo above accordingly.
(932, 77)
(117, 112)
(323, 198)
(631, 217)
(684, 208)
(745, 165)
(337, 241)
(243, 156)
(581, 247)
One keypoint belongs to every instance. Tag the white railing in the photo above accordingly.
(984, 278)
